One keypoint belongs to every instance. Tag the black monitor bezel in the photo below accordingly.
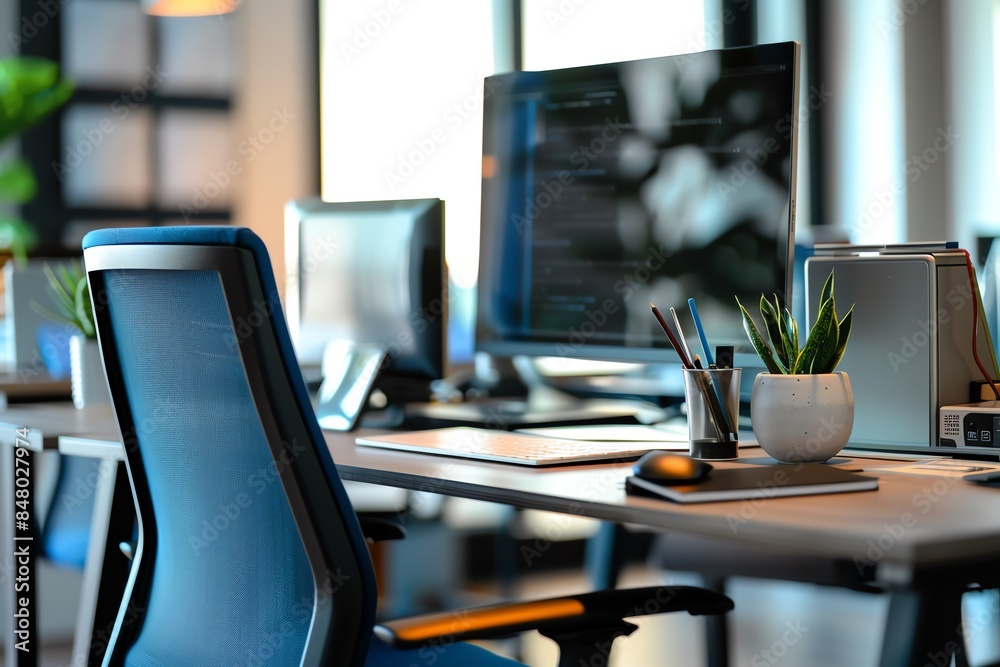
(786, 53)
(427, 253)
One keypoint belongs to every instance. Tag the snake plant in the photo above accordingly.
(70, 298)
(780, 351)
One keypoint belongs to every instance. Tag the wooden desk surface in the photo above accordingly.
(910, 524)
(33, 384)
(47, 422)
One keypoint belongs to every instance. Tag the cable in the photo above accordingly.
(975, 324)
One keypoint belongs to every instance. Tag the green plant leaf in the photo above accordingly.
(763, 351)
(84, 310)
(843, 334)
(816, 338)
(64, 300)
(828, 344)
(16, 236)
(51, 314)
(30, 89)
(70, 295)
(17, 182)
(791, 337)
(827, 292)
(772, 324)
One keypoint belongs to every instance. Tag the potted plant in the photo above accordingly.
(70, 293)
(801, 409)
(30, 89)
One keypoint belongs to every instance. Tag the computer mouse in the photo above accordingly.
(665, 468)
(991, 478)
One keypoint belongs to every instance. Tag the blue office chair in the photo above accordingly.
(65, 533)
(249, 551)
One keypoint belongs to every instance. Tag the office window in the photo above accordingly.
(401, 108)
(567, 34)
(401, 87)
(148, 123)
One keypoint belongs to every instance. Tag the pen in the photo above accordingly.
(670, 336)
(716, 409)
(701, 331)
(702, 379)
(680, 333)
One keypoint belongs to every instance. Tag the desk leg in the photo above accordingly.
(924, 627)
(8, 566)
(606, 554)
(106, 570)
(716, 628)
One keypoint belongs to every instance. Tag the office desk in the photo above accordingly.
(32, 384)
(923, 539)
(54, 426)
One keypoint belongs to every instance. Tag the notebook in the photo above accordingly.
(758, 482)
(506, 447)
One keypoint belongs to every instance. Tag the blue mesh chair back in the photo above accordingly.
(66, 532)
(224, 455)
(249, 552)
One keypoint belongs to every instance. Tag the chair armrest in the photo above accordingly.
(554, 615)
(379, 529)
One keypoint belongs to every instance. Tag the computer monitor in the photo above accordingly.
(369, 273)
(608, 187)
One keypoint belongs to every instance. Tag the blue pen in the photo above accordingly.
(701, 331)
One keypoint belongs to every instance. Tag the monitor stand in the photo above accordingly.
(536, 404)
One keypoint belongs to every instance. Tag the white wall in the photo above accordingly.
(971, 109)
(276, 90)
(866, 123)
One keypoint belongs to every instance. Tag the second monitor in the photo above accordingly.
(608, 187)
(368, 278)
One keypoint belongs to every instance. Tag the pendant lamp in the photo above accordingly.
(189, 7)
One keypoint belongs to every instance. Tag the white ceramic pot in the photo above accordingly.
(87, 378)
(802, 418)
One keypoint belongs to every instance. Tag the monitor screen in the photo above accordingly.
(368, 272)
(608, 187)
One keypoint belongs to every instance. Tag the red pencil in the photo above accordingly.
(673, 340)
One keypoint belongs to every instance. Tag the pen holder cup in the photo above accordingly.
(713, 409)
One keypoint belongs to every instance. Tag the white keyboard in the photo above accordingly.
(507, 447)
